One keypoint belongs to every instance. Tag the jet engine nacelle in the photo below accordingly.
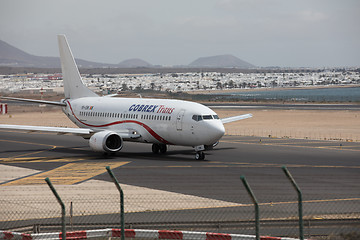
(106, 141)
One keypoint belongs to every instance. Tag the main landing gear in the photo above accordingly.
(156, 148)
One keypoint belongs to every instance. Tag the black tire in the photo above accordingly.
(163, 148)
(199, 156)
(155, 148)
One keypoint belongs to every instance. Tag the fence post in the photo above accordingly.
(121, 202)
(253, 198)
(63, 224)
(300, 207)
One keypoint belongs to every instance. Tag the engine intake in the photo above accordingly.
(106, 141)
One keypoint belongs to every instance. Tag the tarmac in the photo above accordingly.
(326, 171)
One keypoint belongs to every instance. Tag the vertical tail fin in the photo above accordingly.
(73, 85)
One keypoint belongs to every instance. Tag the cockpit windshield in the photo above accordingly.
(204, 117)
(207, 117)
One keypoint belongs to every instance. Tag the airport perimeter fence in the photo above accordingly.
(95, 204)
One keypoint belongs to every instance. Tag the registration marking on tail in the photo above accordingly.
(68, 174)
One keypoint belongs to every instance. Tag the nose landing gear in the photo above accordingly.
(200, 155)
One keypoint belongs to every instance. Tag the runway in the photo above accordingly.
(326, 171)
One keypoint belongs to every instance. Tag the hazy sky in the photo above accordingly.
(286, 33)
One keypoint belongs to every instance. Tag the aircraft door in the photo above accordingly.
(179, 120)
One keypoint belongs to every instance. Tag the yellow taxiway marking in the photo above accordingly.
(30, 143)
(44, 159)
(329, 147)
(32, 153)
(68, 174)
(26, 154)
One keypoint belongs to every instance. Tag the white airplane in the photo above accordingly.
(107, 121)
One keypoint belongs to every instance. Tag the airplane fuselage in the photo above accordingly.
(161, 121)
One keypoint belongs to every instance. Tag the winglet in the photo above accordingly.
(73, 85)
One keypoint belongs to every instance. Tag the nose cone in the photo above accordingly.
(216, 131)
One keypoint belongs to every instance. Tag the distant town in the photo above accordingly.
(181, 82)
(25, 73)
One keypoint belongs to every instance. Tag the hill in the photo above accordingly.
(221, 61)
(11, 56)
(134, 63)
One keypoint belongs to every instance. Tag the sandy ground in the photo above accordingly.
(303, 124)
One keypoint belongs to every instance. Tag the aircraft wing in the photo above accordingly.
(58, 130)
(36, 101)
(236, 118)
(126, 134)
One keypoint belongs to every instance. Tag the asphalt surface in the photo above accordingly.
(327, 173)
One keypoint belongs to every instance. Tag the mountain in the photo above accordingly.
(134, 63)
(13, 57)
(221, 61)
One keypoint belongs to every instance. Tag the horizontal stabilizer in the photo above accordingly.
(236, 118)
(111, 95)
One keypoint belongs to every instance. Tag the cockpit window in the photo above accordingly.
(207, 117)
(216, 117)
(197, 117)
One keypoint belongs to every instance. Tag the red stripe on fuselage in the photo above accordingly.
(152, 132)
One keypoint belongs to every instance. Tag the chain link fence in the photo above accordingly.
(95, 204)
